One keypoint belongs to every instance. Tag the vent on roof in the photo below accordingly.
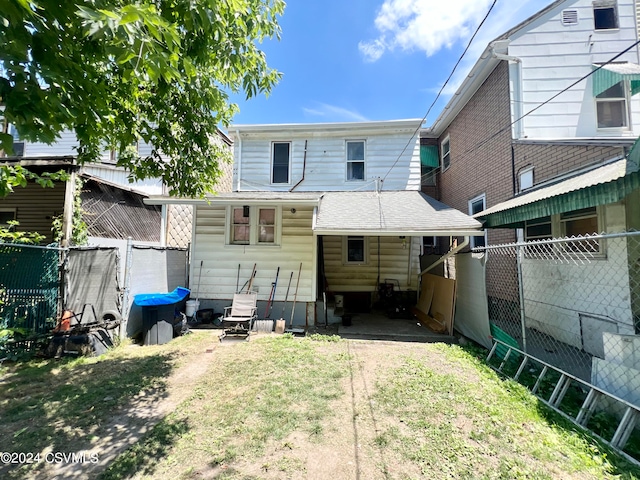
(569, 17)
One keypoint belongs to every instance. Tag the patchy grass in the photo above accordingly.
(320, 407)
(49, 405)
(468, 423)
(260, 391)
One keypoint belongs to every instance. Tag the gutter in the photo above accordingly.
(515, 79)
(239, 160)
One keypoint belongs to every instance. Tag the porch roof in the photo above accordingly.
(598, 185)
(390, 213)
(245, 198)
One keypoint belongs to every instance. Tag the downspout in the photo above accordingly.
(517, 87)
(239, 160)
(449, 254)
(164, 225)
(304, 167)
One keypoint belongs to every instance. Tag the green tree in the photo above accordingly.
(116, 71)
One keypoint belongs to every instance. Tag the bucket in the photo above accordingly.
(192, 307)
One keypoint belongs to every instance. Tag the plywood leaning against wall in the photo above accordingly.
(436, 305)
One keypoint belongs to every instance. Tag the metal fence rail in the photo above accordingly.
(573, 303)
(29, 287)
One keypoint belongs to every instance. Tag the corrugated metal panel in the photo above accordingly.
(151, 186)
(607, 76)
(35, 207)
(606, 184)
(114, 213)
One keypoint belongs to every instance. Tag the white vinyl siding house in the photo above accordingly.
(551, 54)
(331, 159)
(337, 202)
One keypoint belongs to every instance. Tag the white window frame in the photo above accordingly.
(603, 5)
(526, 173)
(445, 158)
(558, 230)
(363, 161)
(482, 197)
(254, 227)
(345, 250)
(625, 99)
(273, 145)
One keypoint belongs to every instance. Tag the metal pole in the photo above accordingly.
(519, 254)
(127, 287)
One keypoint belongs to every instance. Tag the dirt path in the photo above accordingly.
(130, 424)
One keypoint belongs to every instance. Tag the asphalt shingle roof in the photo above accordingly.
(389, 212)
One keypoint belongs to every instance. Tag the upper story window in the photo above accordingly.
(526, 178)
(605, 15)
(18, 145)
(477, 205)
(355, 159)
(611, 107)
(281, 154)
(445, 154)
(254, 225)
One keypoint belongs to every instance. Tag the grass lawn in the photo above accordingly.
(280, 407)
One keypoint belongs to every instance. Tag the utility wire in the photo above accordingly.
(581, 79)
(442, 88)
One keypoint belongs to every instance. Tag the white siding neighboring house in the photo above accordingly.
(174, 229)
(341, 201)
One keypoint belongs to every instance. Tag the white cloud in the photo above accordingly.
(429, 25)
(333, 113)
(425, 25)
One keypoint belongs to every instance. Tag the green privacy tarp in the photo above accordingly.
(592, 196)
(606, 76)
(429, 156)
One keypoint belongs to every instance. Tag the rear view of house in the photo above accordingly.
(337, 204)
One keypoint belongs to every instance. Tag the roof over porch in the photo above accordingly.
(390, 213)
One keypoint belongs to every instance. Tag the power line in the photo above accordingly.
(442, 88)
(553, 97)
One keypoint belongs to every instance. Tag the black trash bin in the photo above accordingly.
(159, 311)
(157, 324)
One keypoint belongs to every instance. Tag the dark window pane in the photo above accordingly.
(605, 18)
(281, 162)
(355, 171)
(355, 249)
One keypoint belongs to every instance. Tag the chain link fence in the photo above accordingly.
(29, 287)
(573, 303)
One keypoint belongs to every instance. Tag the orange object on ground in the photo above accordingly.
(64, 324)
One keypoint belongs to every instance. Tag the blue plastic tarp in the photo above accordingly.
(152, 299)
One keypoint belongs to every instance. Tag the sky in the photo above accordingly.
(365, 60)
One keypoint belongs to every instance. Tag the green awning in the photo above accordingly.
(606, 76)
(429, 156)
(608, 183)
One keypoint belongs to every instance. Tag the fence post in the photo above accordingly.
(127, 287)
(519, 254)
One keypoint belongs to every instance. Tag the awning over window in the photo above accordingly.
(429, 156)
(612, 73)
(605, 184)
